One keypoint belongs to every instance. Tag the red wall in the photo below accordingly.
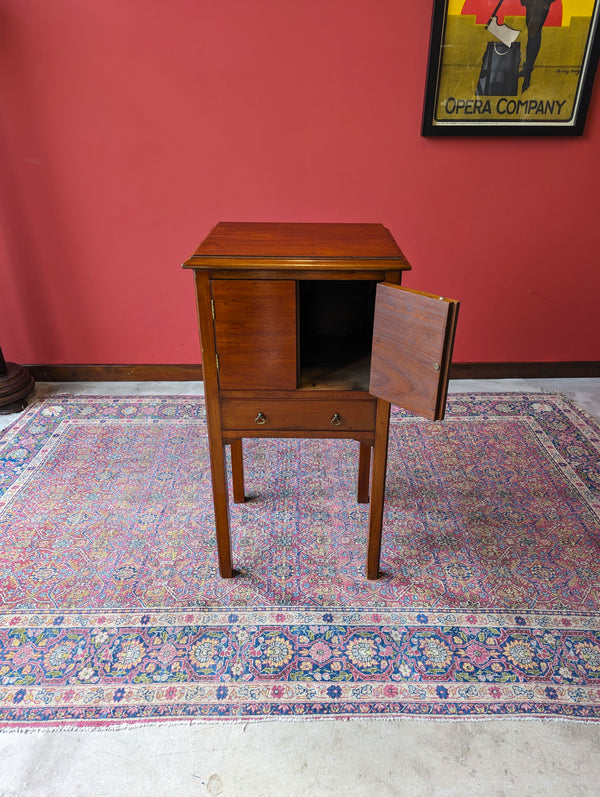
(128, 128)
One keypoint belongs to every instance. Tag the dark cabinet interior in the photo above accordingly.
(335, 333)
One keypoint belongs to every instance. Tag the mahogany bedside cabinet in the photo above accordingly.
(306, 332)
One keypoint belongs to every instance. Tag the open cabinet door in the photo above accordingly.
(413, 336)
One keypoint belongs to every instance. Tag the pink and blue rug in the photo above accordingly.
(112, 612)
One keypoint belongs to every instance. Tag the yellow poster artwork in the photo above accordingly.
(511, 66)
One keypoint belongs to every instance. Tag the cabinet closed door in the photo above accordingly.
(413, 336)
(255, 333)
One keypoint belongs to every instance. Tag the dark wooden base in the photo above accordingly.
(193, 373)
(530, 370)
(116, 373)
(16, 384)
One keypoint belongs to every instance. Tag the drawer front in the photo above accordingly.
(298, 415)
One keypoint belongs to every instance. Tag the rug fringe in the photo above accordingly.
(250, 721)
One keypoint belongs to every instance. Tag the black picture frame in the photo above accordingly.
(475, 58)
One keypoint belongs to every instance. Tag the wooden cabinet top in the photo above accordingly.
(299, 245)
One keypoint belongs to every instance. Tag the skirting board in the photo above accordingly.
(193, 373)
(116, 373)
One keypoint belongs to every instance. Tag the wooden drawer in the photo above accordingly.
(298, 414)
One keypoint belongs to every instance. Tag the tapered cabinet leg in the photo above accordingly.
(380, 451)
(221, 504)
(237, 472)
(364, 472)
(213, 419)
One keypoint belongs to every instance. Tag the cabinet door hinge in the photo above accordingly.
(217, 359)
(212, 308)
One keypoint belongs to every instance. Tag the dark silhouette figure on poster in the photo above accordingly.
(501, 70)
(500, 66)
(536, 13)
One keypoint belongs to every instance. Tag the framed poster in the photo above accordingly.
(511, 67)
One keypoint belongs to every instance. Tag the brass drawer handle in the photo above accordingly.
(260, 418)
(336, 420)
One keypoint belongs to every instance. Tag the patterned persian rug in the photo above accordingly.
(112, 611)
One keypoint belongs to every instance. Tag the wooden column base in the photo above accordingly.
(16, 384)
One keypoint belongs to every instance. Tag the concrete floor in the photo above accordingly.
(359, 757)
